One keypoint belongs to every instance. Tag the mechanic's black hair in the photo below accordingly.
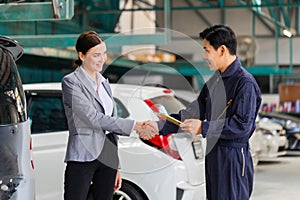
(218, 35)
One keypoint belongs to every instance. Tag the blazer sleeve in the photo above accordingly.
(78, 105)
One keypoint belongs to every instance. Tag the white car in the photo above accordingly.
(271, 138)
(166, 167)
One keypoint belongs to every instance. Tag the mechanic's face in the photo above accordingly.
(95, 58)
(213, 57)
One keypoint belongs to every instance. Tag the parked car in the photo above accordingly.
(165, 167)
(256, 147)
(16, 169)
(271, 138)
(186, 96)
(291, 125)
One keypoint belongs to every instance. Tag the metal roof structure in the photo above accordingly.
(57, 23)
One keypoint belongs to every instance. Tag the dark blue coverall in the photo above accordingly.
(227, 106)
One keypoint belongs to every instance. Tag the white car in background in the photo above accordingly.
(271, 138)
(166, 167)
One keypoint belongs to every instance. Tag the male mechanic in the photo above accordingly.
(225, 114)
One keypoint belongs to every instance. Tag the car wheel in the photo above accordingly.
(293, 142)
(128, 192)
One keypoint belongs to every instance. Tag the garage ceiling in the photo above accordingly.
(48, 22)
(57, 23)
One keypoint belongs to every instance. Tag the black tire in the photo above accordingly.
(129, 192)
(293, 142)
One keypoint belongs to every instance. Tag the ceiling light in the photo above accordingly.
(289, 32)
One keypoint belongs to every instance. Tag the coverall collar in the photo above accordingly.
(232, 68)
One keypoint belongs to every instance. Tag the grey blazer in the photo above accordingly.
(86, 119)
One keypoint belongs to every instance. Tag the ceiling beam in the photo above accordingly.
(68, 40)
(37, 11)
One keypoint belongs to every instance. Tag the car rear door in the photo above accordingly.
(49, 140)
(190, 148)
(191, 151)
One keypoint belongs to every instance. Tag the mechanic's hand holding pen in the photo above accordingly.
(192, 126)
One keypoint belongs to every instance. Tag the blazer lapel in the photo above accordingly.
(109, 92)
(107, 88)
(82, 78)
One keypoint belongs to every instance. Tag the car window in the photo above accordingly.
(183, 101)
(170, 103)
(121, 109)
(47, 114)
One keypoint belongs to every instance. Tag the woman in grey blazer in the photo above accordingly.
(92, 154)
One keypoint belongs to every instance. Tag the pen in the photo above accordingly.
(227, 105)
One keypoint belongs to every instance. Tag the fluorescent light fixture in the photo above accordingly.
(289, 32)
(258, 3)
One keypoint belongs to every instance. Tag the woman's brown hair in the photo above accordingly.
(84, 42)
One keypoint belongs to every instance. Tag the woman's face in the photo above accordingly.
(95, 58)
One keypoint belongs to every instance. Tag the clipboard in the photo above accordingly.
(169, 118)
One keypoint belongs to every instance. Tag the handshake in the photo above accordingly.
(149, 129)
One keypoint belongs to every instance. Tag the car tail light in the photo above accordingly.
(167, 91)
(152, 105)
(30, 147)
(163, 143)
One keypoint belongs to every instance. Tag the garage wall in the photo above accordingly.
(187, 22)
